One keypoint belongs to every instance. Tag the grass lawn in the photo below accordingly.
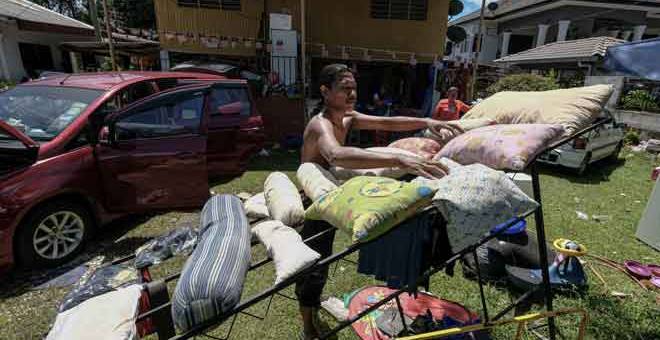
(618, 190)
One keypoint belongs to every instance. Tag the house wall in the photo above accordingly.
(334, 23)
(12, 36)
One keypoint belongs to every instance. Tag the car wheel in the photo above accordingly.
(53, 234)
(584, 165)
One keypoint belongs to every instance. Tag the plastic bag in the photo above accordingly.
(103, 280)
(165, 246)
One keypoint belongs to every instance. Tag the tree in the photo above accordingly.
(523, 82)
(135, 14)
(70, 8)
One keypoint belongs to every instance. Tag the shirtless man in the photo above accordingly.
(323, 143)
(326, 133)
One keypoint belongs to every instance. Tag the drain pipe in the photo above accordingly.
(588, 66)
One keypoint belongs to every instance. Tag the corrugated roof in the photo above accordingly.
(29, 11)
(579, 49)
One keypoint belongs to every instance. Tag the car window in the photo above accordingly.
(167, 83)
(230, 101)
(171, 119)
(43, 112)
(126, 97)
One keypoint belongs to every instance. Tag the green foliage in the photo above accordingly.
(6, 84)
(523, 82)
(639, 100)
(631, 137)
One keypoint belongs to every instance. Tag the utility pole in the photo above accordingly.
(303, 54)
(94, 17)
(106, 15)
(475, 63)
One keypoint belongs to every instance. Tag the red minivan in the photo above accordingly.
(77, 151)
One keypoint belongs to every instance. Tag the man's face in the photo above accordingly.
(343, 94)
(452, 95)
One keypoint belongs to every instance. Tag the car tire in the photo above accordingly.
(584, 165)
(53, 234)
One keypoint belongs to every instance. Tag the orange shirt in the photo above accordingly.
(442, 111)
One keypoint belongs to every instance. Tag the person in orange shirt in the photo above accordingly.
(450, 108)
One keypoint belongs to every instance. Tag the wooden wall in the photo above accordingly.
(333, 23)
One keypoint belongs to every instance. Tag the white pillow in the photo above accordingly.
(286, 248)
(346, 174)
(315, 180)
(256, 208)
(107, 316)
(283, 200)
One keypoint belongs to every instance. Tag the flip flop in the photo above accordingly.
(655, 281)
(637, 269)
(655, 269)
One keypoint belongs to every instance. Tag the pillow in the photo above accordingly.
(107, 316)
(573, 108)
(501, 146)
(434, 183)
(475, 198)
(315, 180)
(283, 200)
(369, 206)
(286, 248)
(212, 279)
(256, 208)
(345, 174)
(423, 147)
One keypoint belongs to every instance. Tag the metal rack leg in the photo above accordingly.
(484, 305)
(543, 250)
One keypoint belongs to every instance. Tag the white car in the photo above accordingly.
(603, 142)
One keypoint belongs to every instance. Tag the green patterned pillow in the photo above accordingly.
(369, 206)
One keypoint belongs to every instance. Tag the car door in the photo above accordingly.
(155, 153)
(234, 132)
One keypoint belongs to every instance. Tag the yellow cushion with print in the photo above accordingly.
(369, 206)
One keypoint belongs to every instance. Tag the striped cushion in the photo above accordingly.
(212, 279)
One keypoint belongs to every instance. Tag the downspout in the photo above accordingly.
(588, 66)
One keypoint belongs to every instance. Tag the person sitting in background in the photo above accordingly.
(450, 108)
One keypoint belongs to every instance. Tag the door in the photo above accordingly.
(234, 132)
(155, 156)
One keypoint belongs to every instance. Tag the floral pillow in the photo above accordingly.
(424, 147)
(370, 206)
(475, 198)
(501, 146)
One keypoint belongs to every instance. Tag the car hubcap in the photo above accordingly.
(58, 235)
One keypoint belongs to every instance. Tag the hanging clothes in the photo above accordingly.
(401, 256)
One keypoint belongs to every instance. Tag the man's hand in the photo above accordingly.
(424, 168)
(443, 131)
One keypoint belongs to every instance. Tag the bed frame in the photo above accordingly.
(160, 313)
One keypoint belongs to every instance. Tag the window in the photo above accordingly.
(399, 9)
(171, 119)
(126, 97)
(230, 102)
(43, 112)
(226, 5)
